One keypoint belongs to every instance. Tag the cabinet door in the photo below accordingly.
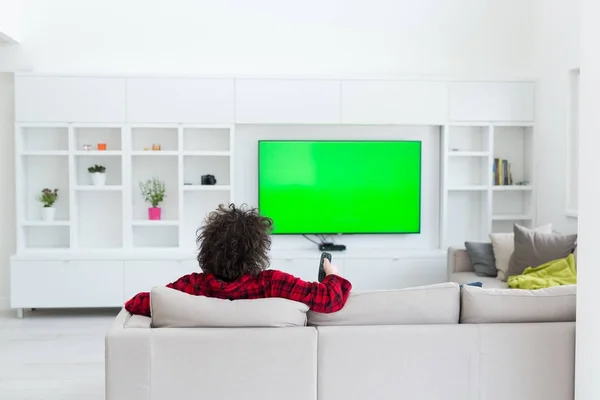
(142, 276)
(69, 284)
(261, 101)
(53, 99)
(492, 101)
(394, 102)
(303, 268)
(164, 100)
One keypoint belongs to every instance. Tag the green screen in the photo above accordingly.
(340, 186)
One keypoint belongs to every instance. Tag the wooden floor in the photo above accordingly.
(52, 355)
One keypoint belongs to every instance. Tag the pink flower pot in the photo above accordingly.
(154, 213)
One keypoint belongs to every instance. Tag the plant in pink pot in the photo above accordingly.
(153, 191)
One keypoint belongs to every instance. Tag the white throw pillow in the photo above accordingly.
(174, 309)
(504, 245)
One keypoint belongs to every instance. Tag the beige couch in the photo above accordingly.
(412, 343)
(461, 270)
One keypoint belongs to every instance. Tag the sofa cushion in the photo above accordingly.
(504, 245)
(435, 304)
(482, 258)
(481, 306)
(174, 309)
(533, 249)
(467, 277)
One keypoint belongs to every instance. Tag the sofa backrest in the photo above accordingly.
(458, 261)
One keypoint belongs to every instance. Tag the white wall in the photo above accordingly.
(7, 182)
(10, 20)
(556, 50)
(587, 386)
(488, 37)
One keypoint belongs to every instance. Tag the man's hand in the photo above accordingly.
(329, 268)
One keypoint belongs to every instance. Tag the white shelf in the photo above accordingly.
(513, 188)
(45, 153)
(207, 153)
(468, 188)
(155, 153)
(468, 154)
(98, 153)
(155, 223)
(515, 217)
(206, 188)
(46, 223)
(92, 188)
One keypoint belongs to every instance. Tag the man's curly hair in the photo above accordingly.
(234, 242)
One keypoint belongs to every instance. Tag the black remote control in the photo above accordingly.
(324, 256)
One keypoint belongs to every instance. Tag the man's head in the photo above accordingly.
(234, 242)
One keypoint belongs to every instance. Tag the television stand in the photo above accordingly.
(331, 247)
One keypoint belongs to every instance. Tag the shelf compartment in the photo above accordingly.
(98, 153)
(163, 168)
(512, 203)
(156, 236)
(154, 153)
(46, 237)
(507, 226)
(207, 153)
(111, 136)
(196, 206)
(468, 138)
(113, 166)
(145, 137)
(474, 228)
(41, 172)
(92, 188)
(196, 166)
(45, 138)
(515, 144)
(469, 171)
(206, 139)
(99, 220)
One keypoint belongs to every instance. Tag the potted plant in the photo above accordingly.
(153, 191)
(98, 173)
(48, 197)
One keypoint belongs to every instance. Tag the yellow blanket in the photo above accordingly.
(553, 273)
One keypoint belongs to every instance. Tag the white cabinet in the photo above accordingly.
(56, 99)
(66, 284)
(394, 102)
(142, 276)
(281, 101)
(492, 101)
(304, 268)
(178, 100)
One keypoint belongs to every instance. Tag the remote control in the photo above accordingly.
(324, 256)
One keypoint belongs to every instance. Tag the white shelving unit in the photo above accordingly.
(468, 153)
(114, 216)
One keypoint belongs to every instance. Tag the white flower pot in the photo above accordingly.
(48, 213)
(98, 178)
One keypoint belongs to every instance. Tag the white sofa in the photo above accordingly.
(461, 270)
(383, 345)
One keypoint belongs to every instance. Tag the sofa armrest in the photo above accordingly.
(128, 358)
(458, 261)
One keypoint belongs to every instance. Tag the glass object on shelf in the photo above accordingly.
(87, 147)
(156, 146)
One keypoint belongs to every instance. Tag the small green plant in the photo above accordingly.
(153, 191)
(48, 197)
(97, 168)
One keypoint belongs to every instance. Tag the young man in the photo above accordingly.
(233, 257)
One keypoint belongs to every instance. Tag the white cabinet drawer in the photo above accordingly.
(164, 100)
(54, 99)
(50, 284)
(281, 101)
(142, 276)
(492, 101)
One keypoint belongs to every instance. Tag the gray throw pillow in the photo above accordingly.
(533, 249)
(482, 258)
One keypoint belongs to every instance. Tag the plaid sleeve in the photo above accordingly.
(326, 297)
(140, 303)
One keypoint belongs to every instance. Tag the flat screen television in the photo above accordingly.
(333, 187)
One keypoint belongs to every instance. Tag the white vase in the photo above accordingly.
(48, 213)
(98, 178)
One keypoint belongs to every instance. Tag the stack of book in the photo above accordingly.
(501, 173)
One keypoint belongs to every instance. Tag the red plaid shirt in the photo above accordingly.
(325, 297)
